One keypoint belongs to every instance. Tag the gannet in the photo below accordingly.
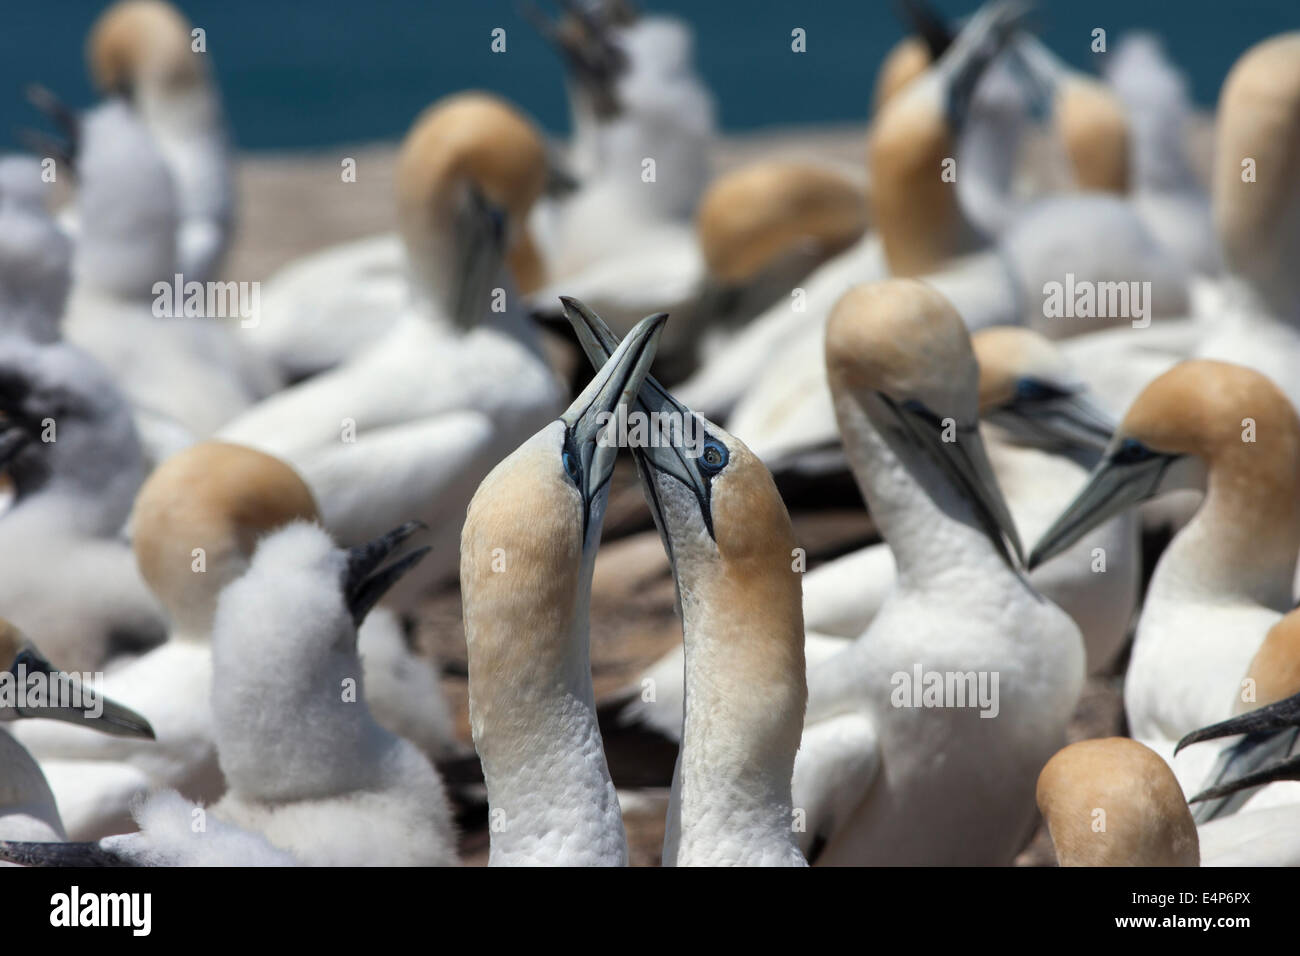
(771, 376)
(35, 255)
(460, 379)
(875, 779)
(1114, 802)
(730, 544)
(1255, 213)
(1226, 577)
(27, 807)
(143, 51)
(73, 462)
(1043, 434)
(1164, 188)
(310, 772)
(528, 549)
(194, 526)
(190, 368)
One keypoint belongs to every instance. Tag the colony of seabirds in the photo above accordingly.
(234, 521)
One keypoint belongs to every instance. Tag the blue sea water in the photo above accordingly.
(298, 73)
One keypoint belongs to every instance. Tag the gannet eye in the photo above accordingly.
(570, 465)
(1131, 452)
(714, 457)
(1032, 390)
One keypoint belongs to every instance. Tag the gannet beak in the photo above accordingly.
(927, 23)
(480, 249)
(589, 53)
(1131, 473)
(13, 439)
(676, 458)
(1065, 418)
(1286, 769)
(616, 384)
(364, 583)
(1281, 715)
(45, 100)
(967, 465)
(112, 717)
(976, 47)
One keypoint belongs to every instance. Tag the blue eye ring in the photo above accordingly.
(1033, 390)
(570, 465)
(1131, 452)
(714, 457)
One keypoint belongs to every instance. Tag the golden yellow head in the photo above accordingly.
(909, 58)
(1274, 672)
(1257, 165)
(142, 41)
(199, 516)
(901, 337)
(469, 137)
(1114, 802)
(1008, 353)
(752, 216)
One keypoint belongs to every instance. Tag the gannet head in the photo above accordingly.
(127, 205)
(66, 428)
(899, 359)
(917, 213)
(731, 545)
(35, 255)
(912, 55)
(20, 662)
(143, 43)
(468, 172)
(1199, 419)
(1258, 217)
(751, 217)
(198, 518)
(1027, 387)
(528, 548)
(1114, 802)
(287, 694)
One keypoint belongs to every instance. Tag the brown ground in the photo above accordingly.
(294, 204)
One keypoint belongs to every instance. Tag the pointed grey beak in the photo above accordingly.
(97, 713)
(976, 47)
(590, 449)
(966, 464)
(364, 583)
(1128, 475)
(582, 39)
(1269, 732)
(678, 457)
(480, 249)
(927, 23)
(1069, 419)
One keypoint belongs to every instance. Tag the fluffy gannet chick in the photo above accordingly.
(877, 769)
(306, 763)
(1226, 577)
(195, 524)
(143, 51)
(528, 549)
(191, 369)
(460, 379)
(73, 462)
(1043, 435)
(1255, 215)
(27, 807)
(35, 255)
(1114, 802)
(1164, 187)
(730, 543)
